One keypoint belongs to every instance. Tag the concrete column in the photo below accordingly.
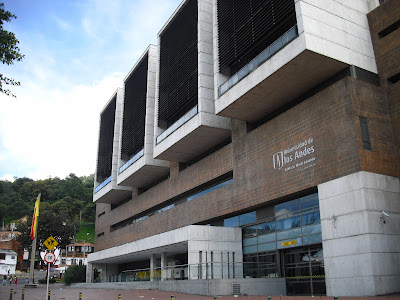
(152, 266)
(164, 266)
(89, 273)
(361, 244)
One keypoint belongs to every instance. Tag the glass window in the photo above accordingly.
(265, 238)
(247, 218)
(309, 201)
(266, 228)
(250, 241)
(286, 208)
(250, 231)
(310, 218)
(312, 239)
(284, 235)
(232, 222)
(250, 249)
(288, 223)
(267, 247)
(313, 229)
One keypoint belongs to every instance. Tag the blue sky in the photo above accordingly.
(76, 55)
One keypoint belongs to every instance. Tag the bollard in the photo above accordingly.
(11, 293)
(269, 298)
(23, 294)
(172, 297)
(119, 296)
(80, 296)
(48, 296)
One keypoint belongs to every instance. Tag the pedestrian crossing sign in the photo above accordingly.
(50, 243)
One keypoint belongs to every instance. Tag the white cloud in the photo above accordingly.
(55, 138)
(51, 129)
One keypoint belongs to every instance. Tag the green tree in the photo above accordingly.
(9, 51)
(76, 273)
(50, 223)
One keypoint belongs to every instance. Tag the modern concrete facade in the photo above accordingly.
(264, 155)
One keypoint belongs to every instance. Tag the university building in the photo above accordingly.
(255, 150)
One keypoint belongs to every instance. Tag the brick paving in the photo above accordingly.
(59, 291)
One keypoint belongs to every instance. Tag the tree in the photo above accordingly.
(9, 51)
(76, 273)
(50, 223)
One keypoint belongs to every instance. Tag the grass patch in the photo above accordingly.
(86, 233)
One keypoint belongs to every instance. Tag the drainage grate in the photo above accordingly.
(236, 288)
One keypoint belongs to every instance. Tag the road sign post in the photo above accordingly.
(49, 258)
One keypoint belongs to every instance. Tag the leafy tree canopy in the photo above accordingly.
(70, 198)
(9, 50)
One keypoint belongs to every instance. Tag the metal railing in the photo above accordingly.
(209, 270)
(103, 184)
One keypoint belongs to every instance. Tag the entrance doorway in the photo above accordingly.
(304, 270)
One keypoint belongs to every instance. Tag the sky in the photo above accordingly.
(77, 53)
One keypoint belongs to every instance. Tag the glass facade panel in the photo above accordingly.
(311, 229)
(267, 238)
(250, 241)
(288, 223)
(310, 218)
(250, 249)
(286, 208)
(232, 222)
(266, 228)
(312, 239)
(309, 201)
(247, 218)
(288, 234)
(249, 231)
(267, 247)
(297, 223)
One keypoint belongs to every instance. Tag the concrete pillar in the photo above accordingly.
(164, 266)
(152, 266)
(361, 244)
(89, 273)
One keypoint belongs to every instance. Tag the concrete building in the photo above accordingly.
(8, 261)
(255, 150)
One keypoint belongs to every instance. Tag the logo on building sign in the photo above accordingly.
(300, 156)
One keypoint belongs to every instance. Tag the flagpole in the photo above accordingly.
(33, 254)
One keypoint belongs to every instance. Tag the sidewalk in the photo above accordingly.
(59, 291)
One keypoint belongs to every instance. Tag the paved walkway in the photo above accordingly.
(59, 291)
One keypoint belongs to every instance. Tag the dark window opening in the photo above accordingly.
(365, 134)
(114, 206)
(100, 234)
(106, 141)
(153, 184)
(133, 126)
(101, 214)
(394, 79)
(183, 166)
(178, 66)
(388, 30)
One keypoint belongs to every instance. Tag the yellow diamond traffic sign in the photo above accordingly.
(50, 243)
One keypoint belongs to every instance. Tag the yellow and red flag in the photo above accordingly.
(35, 218)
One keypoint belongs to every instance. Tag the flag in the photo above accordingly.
(35, 217)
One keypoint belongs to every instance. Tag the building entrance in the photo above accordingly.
(304, 270)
